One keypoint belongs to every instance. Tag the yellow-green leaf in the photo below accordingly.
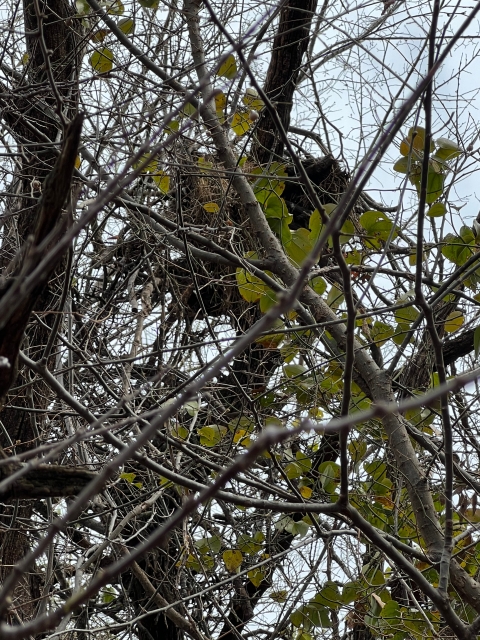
(108, 595)
(437, 210)
(268, 300)
(401, 165)
(220, 101)
(82, 7)
(126, 25)
(162, 181)
(115, 7)
(233, 559)
(476, 341)
(306, 492)
(211, 207)
(299, 246)
(99, 36)
(319, 285)
(149, 4)
(172, 127)
(454, 321)
(252, 100)
(250, 287)
(102, 60)
(256, 576)
(447, 149)
(129, 477)
(228, 68)
(204, 165)
(241, 123)
(211, 435)
(417, 134)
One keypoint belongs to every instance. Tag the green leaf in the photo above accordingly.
(211, 435)
(454, 321)
(115, 7)
(191, 407)
(329, 475)
(281, 229)
(303, 461)
(228, 68)
(329, 596)
(279, 596)
(83, 8)
(401, 165)
(437, 210)
(297, 618)
(373, 576)
(179, 431)
(293, 471)
(249, 286)
(190, 111)
(335, 297)
(102, 60)
(300, 245)
(447, 150)
(149, 4)
(108, 595)
(377, 470)
(381, 332)
(212, 544)
(256, 576)
(199, 565)
(467, 234)
(434, 185)
(315, 226)
(99, 36)
(357, 449)
(248, 545)
(351, 591)
(347, 232)
(275, 207)
(319, 285)
(377, 224)
(126, 25)
(458, 249)
(233, 559)
(267, 301)
(293, 370)
(406, 315)
(297, 528)
(391, 610)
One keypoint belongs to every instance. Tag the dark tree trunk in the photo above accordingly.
(36, 127)
(289, 46)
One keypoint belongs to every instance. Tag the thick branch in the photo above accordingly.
(289, 46)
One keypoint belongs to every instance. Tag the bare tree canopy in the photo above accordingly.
(238, 320)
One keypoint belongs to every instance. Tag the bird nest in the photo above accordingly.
(209, 203)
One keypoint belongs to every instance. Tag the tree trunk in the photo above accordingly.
(34, 128)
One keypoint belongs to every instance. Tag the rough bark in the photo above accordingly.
(289, 46)
(37, 127)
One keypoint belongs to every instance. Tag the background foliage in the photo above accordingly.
(238, 320)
